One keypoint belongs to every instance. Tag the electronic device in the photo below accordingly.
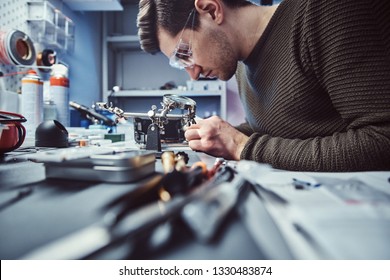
(158, 124)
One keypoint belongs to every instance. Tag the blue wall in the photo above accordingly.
(85, 62)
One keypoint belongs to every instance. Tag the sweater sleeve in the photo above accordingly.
(348, 49)
(245, 128)
(241, 81)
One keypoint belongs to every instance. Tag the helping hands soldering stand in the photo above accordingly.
(159, 117)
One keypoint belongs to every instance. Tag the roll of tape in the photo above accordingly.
(46, 58)
(49, 57)
(4, 57)
(16, 48)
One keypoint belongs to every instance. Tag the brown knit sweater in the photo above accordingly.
(316, 87)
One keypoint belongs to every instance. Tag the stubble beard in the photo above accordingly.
(223, 55)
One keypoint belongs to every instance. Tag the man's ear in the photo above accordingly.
(213, 8)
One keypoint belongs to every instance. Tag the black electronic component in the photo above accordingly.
(51, 134)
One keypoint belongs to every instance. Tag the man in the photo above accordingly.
(313, 76)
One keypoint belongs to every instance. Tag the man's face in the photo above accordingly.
(212, 53)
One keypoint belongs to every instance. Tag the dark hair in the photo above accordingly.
(170, 15)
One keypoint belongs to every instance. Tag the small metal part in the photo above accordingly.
(168, 161)
(172, 101)
(183, 155)
(153, 141)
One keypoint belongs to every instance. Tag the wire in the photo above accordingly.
(12, 74)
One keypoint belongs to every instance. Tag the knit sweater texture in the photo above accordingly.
(316, 87)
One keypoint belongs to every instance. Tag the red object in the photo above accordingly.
(13, 133)
(59, 81)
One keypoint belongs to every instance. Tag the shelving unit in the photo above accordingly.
(140, 101)
(113, 43)
(50, 27)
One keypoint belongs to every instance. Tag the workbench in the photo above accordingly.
(35, 211)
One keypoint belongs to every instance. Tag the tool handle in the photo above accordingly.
(92, 113)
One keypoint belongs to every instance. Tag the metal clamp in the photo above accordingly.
(159, 117)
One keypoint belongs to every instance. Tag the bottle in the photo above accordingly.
(31, 102)
(49, 110)
(59, 92)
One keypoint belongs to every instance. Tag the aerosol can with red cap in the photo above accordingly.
(31, 102)
(59, 92)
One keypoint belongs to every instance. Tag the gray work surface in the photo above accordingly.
(285, 215)
(55, 208)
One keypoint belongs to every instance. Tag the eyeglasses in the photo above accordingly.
(181, 57)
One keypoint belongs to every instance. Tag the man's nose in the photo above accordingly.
(194, 72)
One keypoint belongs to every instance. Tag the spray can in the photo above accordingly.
(31, 102)
(59, 91)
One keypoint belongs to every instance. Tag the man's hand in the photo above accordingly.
(216, 137)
